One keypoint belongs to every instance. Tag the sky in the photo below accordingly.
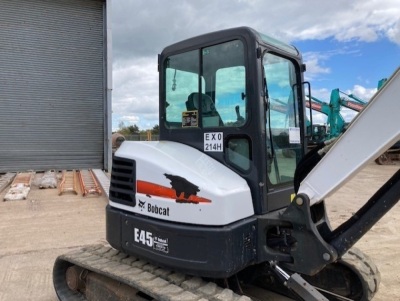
(349, 45)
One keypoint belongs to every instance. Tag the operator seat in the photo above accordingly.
(210, 116)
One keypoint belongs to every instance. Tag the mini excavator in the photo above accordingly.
(229, 201)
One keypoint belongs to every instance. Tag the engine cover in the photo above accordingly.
(176, 182)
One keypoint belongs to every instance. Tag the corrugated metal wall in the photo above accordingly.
(52, 84)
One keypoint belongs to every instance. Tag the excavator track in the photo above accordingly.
(149, 281)
(138, 280)
(354, 276)
(366, 269)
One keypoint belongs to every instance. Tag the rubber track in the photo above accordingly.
(366, 270)
(160, 284)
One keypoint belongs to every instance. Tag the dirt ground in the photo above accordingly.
(35, 231)
(382, 242)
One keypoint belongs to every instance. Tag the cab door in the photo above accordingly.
(283, 126)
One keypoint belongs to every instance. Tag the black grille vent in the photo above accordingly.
(123, 181)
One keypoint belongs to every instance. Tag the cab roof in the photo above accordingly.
(228, 34)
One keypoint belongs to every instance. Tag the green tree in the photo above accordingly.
(127, 130)
(155, 130)
(133, 129)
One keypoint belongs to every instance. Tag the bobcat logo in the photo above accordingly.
(181, 190)
(141, 205)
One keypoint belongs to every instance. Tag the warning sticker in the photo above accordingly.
(160, 244)
(189, 118)
(294, 135)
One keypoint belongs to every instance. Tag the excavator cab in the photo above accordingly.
(248, 111)
(231, 135)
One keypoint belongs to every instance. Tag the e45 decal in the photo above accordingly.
(143, 237)
(147, 238)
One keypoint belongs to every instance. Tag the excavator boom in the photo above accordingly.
(354, 149)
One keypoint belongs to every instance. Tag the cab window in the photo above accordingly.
(282, 119)
(206, 87)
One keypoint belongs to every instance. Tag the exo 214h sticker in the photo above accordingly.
(213, 142)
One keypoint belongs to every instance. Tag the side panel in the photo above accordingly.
(176, 182)
(217, 252)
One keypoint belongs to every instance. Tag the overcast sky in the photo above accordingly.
(349, 45)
